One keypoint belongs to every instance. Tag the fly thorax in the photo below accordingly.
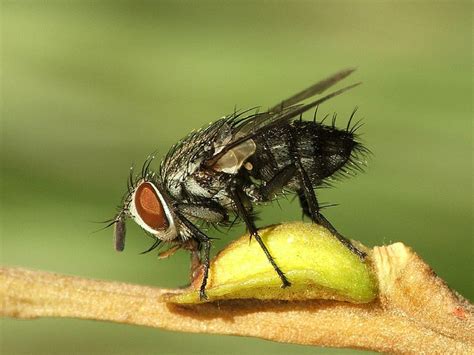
(194, 188)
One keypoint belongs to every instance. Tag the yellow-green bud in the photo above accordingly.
(317, 264)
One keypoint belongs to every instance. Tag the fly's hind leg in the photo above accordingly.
(309, 204)
(239, 199)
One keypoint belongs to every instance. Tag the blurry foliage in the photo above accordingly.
(88, 88)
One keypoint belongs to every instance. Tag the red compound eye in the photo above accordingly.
(149, 207)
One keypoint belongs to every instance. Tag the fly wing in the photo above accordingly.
(290, 107)
(314, 89)
(248, 127)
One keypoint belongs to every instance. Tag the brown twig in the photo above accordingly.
(415, 312)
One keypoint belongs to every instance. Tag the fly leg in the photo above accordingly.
(239, 198)
(195, 261)
(194, 248)
(278, 182)
(310, 206)
(304, 204)
(207, 210)
(204, 241)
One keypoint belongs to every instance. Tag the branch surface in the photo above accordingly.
(415, 311)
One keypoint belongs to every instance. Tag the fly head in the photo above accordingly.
(147, 205)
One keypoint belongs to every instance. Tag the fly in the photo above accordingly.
(239, 161)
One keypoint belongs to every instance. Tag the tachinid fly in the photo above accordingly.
(241, 160)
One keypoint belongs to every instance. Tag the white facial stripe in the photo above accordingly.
(170, 233)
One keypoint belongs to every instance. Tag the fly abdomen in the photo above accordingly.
(321, 150)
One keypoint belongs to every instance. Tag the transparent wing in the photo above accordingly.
(314, 89)
(245, 128)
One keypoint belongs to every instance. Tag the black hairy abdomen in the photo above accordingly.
(322, 151)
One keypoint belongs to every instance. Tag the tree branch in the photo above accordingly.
(415, 311)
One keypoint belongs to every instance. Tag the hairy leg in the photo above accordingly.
(204, 241)
(239, 198)
(310, 206)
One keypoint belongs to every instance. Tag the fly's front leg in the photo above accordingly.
(310, 206)
(207, 250)
(208, 211)
(194, 248)
(212, 213)
(239, 198)
(204, 241)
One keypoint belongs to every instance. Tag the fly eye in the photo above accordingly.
(149, 207)
(119, 234)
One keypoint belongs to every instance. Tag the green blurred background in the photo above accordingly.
(90, 87)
